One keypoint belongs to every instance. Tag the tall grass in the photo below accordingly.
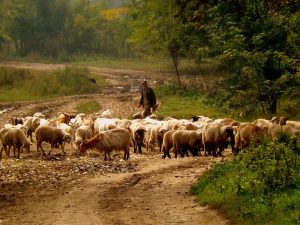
(19, 84)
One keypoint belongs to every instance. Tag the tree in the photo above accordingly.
(156, 30)
(258, 42)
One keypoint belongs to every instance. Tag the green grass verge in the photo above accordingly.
(21, 85)
(261, 187)
(185, 103)
(185, 107)
(122, 63)
(88, 107)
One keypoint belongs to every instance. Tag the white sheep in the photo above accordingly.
(103, 124)
(82, 133)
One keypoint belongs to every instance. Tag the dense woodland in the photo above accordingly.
(256, 41)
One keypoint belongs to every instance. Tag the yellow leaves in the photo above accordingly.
(113, 13)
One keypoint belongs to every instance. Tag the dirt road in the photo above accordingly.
(86, 190)
(158, 192)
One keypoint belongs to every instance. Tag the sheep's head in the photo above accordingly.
(26, 146)
(83, 147)
(67, 138)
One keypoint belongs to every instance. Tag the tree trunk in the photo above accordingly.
(175, 62)
(273, 103)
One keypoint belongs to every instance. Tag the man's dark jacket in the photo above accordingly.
(150, 95)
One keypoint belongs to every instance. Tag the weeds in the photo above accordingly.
(260, 187)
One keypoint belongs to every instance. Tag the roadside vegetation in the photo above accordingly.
(261, 186)
(21, 85)
(88, 107)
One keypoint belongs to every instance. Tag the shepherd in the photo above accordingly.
(148, 99)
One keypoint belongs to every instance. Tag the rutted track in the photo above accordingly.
(156, 192)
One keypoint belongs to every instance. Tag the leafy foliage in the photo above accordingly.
(259, 187)
(59, 28)
(253, 40)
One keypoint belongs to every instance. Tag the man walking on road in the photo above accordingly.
(148, 99)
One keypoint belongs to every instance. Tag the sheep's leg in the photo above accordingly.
(204, 147)
(7, 151)
(166, 153)
(160, 146)
(19, 151)
(181, 151)
(140, 147)
(39, 146)
(30, 135)
(14, 152)
(175, 152)
(50, 151)
(63, 148)
(134, 146)
(126, 154)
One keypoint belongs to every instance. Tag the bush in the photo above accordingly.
(260, 187)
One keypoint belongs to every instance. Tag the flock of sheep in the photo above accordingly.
(106, 134)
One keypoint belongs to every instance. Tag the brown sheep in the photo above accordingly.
(64, 118)
(16, 120)
(53, 136)
(279, 120)
(276, 130)
(215, 136)
(2, 132)
(14, 137)
(187, 140)
(138, 136)
(294, 124)
(114, 139)
(168, 143)
(248, 133)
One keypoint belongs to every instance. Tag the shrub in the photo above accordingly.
(261, 186)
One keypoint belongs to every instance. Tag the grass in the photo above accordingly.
(207, 67)
(259, 187)
(153, 65)
(186, 107)
(88, 107)
(149, 64)
(22, 85)
(218, 192)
